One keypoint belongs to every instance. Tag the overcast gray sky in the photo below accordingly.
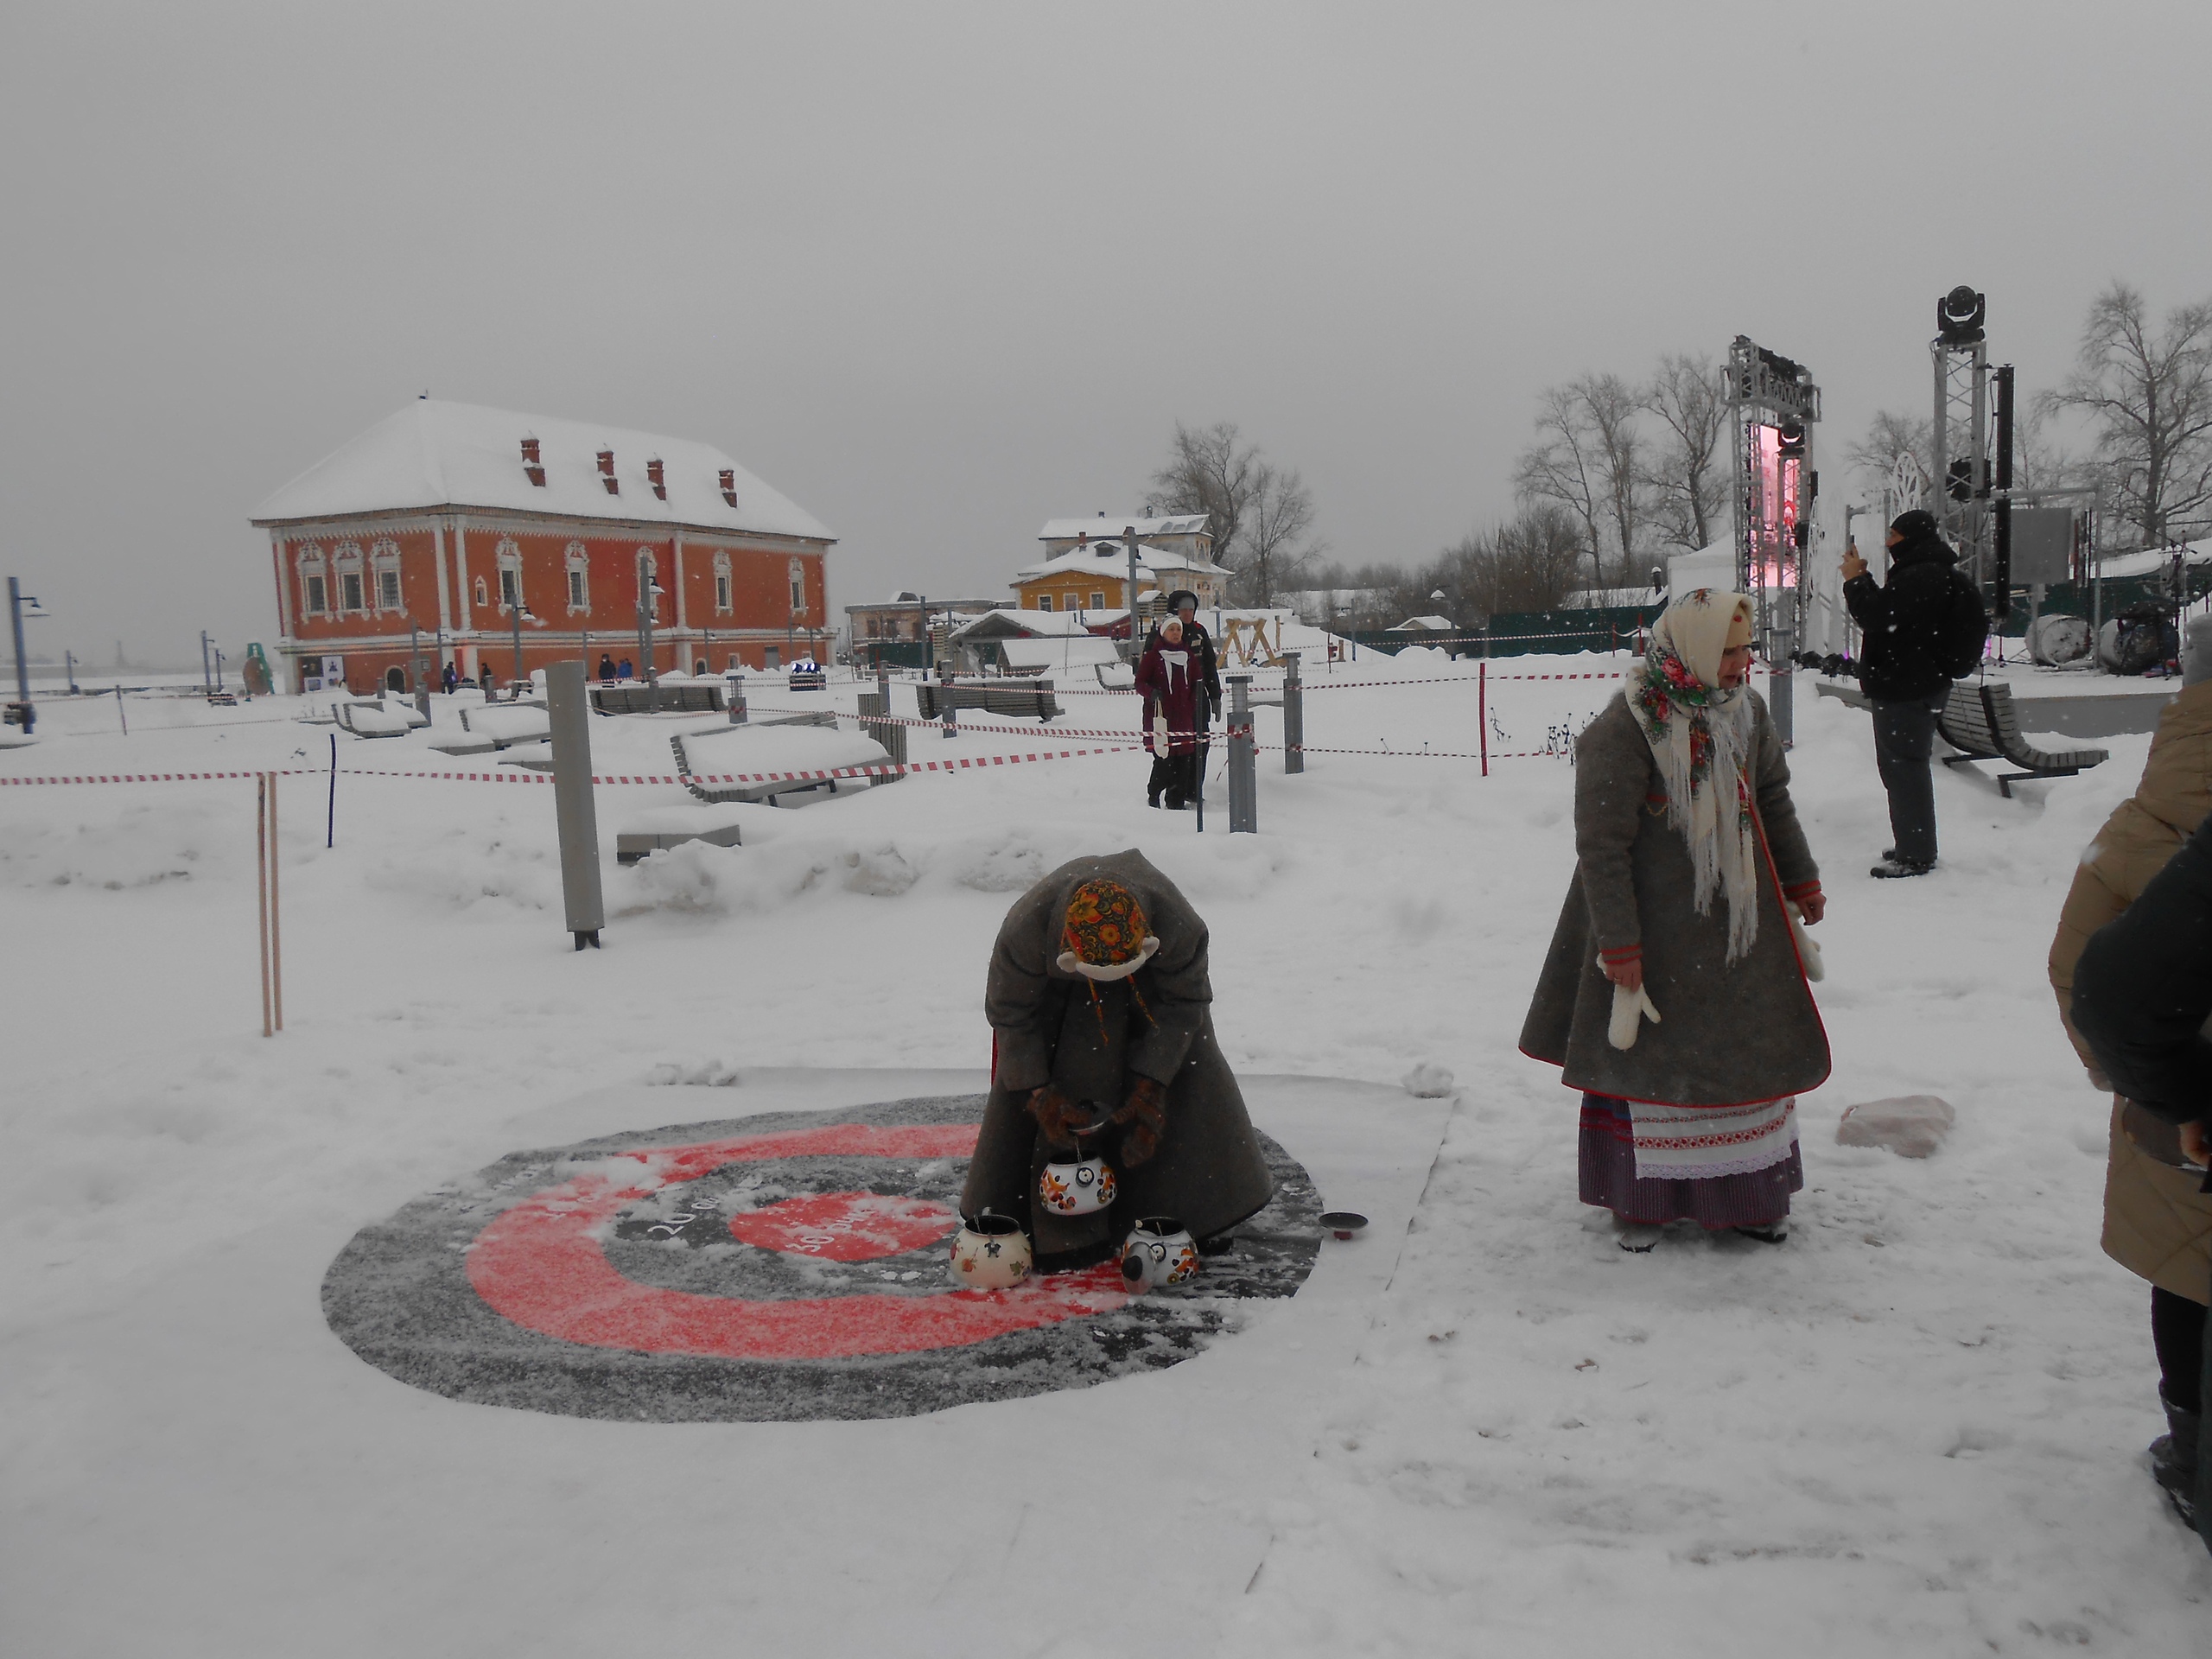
(939, 272)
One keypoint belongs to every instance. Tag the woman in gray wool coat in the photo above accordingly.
(1674, 995)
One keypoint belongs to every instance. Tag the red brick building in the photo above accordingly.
(457, 522)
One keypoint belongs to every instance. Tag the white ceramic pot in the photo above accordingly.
(990, 1252)
(1077, 1186)
(1160, 1251)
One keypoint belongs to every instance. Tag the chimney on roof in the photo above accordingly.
(606, 472)
(729, 485)
(657, 477)
(1081, 539)
(531, 462)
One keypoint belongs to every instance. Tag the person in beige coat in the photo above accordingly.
(2157, 1222)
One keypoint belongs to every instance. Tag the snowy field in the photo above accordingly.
(1916, 1428)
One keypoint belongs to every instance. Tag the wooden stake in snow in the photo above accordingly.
(272, 949)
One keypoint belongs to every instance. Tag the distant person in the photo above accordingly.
(1167, 675)
(451, 679)
(2157, 1221)
(606, 666)
(1923, 627)
(2142, 994)
(625, 670)
(1689, 851)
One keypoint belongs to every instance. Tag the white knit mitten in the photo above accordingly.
(1807, 952)
(1629, 1008)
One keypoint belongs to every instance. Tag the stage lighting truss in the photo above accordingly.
(1959, 494)
(1774, 404)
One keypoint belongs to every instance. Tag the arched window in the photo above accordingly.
(722, 584)
(510, 562)
(578, 560)
(798, 573)
(483, 593)
(648, 580)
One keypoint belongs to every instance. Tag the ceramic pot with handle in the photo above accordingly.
(1080, 1185)
(990, 1252)
(1160, 1251)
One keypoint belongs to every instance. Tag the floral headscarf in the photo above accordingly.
(1700, 736)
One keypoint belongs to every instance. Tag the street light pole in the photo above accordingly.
(17, 600)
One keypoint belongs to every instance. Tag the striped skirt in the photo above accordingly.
(1609, 1180)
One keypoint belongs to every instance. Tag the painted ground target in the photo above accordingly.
(785, 1266)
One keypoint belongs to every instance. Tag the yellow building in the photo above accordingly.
(1083, 572)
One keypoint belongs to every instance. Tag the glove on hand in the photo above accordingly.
(1146, 1112)
(1058, 1117)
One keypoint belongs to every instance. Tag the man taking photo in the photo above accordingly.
(1923, 627)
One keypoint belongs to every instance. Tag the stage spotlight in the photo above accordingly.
(1960, 315)
(1792, 436)
(1958, 479)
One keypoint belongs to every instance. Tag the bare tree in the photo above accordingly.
(1585, 461)
(1260, 515)
(1686, 395)
(2149, 402)
(1208, 470)
(1565, 468)
(1276, 527)
(1890, 434)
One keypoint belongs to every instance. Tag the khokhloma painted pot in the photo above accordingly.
(1160, 1251)
(990, 1252)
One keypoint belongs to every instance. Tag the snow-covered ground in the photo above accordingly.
(1914, 1428)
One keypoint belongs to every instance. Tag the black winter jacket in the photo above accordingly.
(2143, 989)
(1904, 620)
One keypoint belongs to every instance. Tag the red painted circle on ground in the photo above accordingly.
(845, 1226)
(540, 1265)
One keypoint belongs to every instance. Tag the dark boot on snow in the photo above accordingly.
(1893, 868)
(2173, 1459)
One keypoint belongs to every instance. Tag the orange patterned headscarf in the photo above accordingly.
(1107, 937)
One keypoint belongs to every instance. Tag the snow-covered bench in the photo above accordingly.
(376, 719)
(671, 696)
(1983, 723)
(1020, 699)
(765, 748)
(498, 726)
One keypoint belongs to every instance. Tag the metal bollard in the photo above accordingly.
(1293, 715)
(737, 700)
(1243, 774)
(945, 710)
(569, 713)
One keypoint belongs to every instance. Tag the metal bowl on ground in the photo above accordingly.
(1345, 1223)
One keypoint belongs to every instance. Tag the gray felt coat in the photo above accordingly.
(1730, 1033)
(1208, 1170)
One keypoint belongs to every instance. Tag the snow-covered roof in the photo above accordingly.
(2119, 566)
(1108, 558)
(433, 454)
(1424, 625)
(1111, 524)
(1036, 625)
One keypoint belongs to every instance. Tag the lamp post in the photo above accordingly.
(521, 614)
(648, 591)
(22, 605)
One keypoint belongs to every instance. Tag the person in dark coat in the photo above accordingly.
(1674, 994)
(2142, 995)
(1183, 606)
(1101, 1004)
(606, 666)
(1168, 675)
(1904, 621)
(450, 678)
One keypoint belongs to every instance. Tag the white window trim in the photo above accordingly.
(1044, 601)
(346, 561)
(507, 557)
(311, 563)
(577, 559)
(384, 561)
(724, 585)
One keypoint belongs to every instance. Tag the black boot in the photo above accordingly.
(2173, 1459)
